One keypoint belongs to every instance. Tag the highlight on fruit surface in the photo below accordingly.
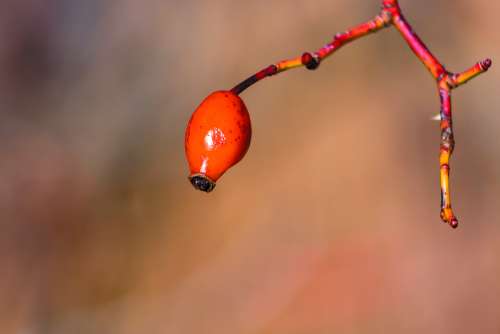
(217, 137)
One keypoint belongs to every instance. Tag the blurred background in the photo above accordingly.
(330, 224)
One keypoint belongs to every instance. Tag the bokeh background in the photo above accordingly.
(330, 224)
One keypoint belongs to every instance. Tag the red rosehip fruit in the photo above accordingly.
(217, 137)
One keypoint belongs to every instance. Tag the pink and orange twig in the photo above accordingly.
(391, 15)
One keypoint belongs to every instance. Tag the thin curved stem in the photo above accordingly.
(391, 15)
(312, 61)
(415, 43)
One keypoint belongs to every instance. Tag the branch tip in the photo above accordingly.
(485, 64)
(459, 79)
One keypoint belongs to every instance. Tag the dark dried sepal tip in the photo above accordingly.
(309, 61)
(202, 183)
(454, 223)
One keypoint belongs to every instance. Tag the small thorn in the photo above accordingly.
(436, 118)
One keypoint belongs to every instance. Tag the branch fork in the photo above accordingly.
(391, 15)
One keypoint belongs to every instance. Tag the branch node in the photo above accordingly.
(442, 75)
(310, 61)
(386, 17)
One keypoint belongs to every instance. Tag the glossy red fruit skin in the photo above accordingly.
(217, 137)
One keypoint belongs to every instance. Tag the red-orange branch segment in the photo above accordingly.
(391, 15)
(417, 46)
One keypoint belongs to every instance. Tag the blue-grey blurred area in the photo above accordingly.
(330, 224)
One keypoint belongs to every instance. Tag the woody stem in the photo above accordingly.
(391, 15)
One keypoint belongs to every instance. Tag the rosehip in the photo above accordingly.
(217, 137)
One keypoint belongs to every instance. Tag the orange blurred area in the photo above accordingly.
(330, 224)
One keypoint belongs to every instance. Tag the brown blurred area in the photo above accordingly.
(330, 224)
